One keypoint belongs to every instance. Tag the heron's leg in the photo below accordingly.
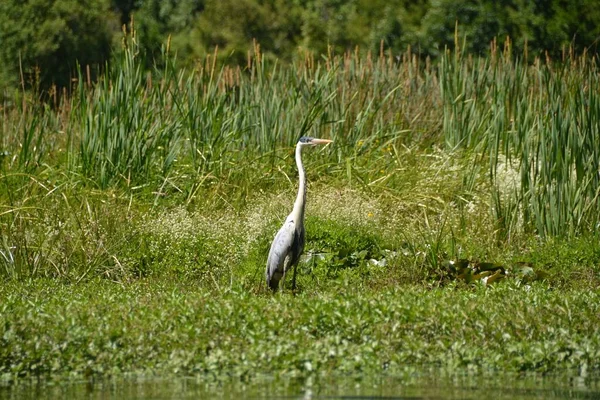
(282, 281)
(294, 277)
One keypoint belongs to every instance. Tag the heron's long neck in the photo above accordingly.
(301, 198)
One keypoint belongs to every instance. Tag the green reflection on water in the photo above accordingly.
(407, 387)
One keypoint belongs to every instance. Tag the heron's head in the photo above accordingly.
(311, 141)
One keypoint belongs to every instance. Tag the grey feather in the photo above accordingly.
(285, 252)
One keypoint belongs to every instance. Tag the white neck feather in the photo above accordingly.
(298, 211)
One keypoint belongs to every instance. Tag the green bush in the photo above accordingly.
(46, 39)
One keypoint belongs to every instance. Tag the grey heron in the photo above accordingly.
(289, 241)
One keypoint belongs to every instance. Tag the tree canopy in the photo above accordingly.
(43, 40)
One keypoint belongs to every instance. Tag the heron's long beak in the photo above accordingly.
(321, 141)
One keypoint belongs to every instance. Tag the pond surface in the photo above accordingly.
(411, 388)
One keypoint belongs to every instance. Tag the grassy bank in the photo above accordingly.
(452, 223)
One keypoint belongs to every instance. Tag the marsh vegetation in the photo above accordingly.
(452, 223)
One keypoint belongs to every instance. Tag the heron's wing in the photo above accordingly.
(281, 253)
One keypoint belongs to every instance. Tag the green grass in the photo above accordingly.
(451, 224)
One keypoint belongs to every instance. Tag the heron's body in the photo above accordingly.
(285, 251)
(289, 242)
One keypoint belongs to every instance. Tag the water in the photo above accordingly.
(409, 388)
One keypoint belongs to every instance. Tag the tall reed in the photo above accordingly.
(535, 127)
(539, 125)
(126, 124)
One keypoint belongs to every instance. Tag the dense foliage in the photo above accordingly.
(45, 38)
(167, 328)
(452, 223)
(42, 41)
